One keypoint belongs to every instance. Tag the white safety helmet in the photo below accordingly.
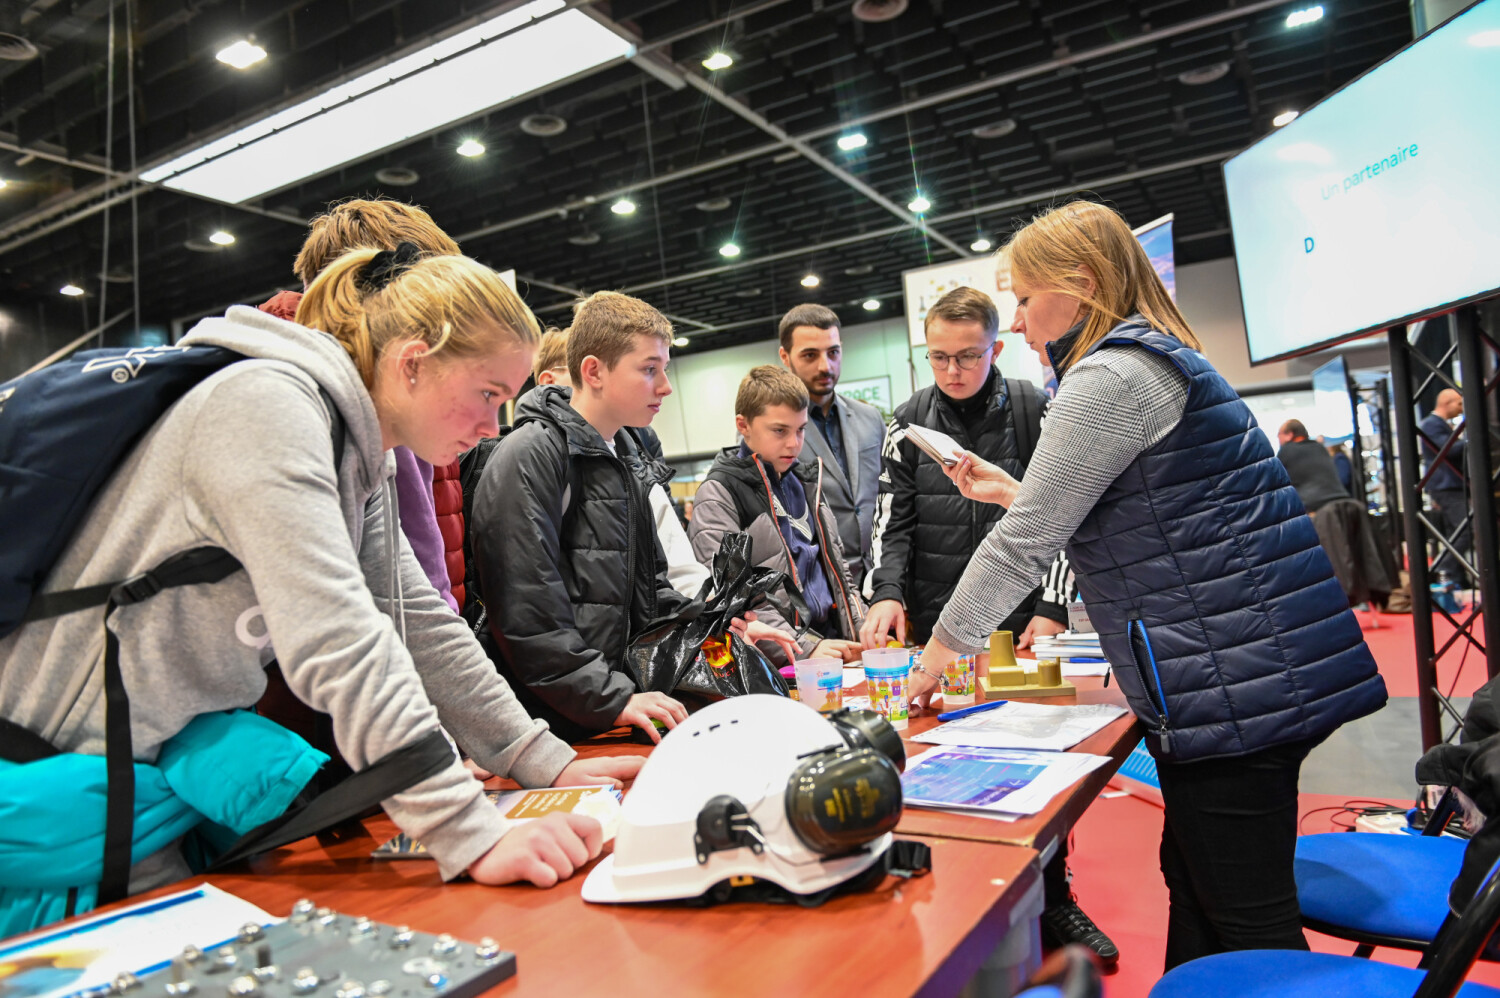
(756, 787)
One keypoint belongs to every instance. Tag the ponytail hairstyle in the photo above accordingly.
(1048, 254)
(368, 299)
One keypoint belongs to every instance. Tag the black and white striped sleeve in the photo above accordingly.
(1110, 407)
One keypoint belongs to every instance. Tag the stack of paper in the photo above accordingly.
(1022, 725)
(1004, 784)
(1079, 654)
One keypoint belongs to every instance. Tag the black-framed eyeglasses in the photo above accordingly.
(967, 361)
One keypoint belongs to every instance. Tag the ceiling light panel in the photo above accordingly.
(454, 79)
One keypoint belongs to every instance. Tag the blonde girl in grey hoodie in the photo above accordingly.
(420, 352)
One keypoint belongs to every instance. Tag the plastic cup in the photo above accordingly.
(789, 673)
(887, 672)
(958, 680)
(820, 681)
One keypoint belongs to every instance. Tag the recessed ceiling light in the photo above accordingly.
(729, 249)
(713, 204)
(1204, 75)
(1307, 15)
(624, 206)
(397, 176)
(241, 55)
(584, 238)
(221, 238)
(871, 304)
(811, 281)
(495, 62)
(859, 269)
(853, 141)
(470, 148)
(719, 60)
(680, 341)
(980, 245)
(71, 290)
(3, 185)
(918, 204)
(996, 129)
(544, 124)
(875, 11)
(1284, 118)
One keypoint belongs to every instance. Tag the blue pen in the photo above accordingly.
(954, 715)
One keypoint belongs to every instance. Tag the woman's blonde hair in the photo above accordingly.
(452, 303)
(1048, 255)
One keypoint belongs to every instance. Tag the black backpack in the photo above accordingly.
(63, 432)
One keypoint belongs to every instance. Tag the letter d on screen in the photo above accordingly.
(1307, 245)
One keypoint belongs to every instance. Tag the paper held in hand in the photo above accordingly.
(935, 444)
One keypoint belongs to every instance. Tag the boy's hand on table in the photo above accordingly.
(642, 707)
(541, 852)
(613, 769)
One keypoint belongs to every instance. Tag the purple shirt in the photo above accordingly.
(419, 520)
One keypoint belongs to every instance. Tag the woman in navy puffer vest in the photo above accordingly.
(1215, 605)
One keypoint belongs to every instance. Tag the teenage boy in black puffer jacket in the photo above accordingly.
(564, 541)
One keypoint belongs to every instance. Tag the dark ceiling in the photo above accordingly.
(1094, 89)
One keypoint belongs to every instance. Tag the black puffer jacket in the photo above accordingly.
(925, 531)
(569, 562)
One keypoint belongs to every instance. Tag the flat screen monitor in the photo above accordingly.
(1156, 239)
(1377, 205)
(1332, 403)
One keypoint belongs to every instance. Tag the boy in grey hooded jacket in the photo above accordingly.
(330, 589)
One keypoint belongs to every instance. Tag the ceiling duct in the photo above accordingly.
(878, 10)
(14, 47)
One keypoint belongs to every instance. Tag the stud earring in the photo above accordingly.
(413, 380)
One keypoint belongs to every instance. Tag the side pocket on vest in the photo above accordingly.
(1145, 664)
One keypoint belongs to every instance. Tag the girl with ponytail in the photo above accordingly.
(283, 459)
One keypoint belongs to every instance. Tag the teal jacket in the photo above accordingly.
(219, 777)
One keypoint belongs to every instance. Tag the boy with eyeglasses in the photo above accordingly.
(926, 532)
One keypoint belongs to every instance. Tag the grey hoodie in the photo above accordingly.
(245, 462)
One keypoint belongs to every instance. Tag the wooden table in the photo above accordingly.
(925, 936)
(1039, 831)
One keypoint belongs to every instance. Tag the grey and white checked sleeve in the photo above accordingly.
(1110, 407)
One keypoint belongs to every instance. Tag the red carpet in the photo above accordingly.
(1114, 851)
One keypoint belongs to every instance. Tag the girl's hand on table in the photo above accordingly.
(542, 852)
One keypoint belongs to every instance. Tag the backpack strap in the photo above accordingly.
(1026, 416)
(385, 777)
(198, 565)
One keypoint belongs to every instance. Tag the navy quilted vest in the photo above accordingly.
(1215, 604)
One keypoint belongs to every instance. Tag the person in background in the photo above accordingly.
(1343, 466)
(845, 434)
(1445, 484)
(926, 530)
(1308, 465)
(382, 224)
(684, 571)
(415, 351)
(1216, 607)
(761, 487)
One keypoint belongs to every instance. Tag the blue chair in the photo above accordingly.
(1375, 889)
(1295, 974)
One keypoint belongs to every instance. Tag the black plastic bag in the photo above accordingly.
(695, 653)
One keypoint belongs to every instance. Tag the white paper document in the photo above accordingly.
(935, 443)
(1021, 725)
(142, 938)
(996, 783)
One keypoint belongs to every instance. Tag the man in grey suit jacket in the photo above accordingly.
(845, 433)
